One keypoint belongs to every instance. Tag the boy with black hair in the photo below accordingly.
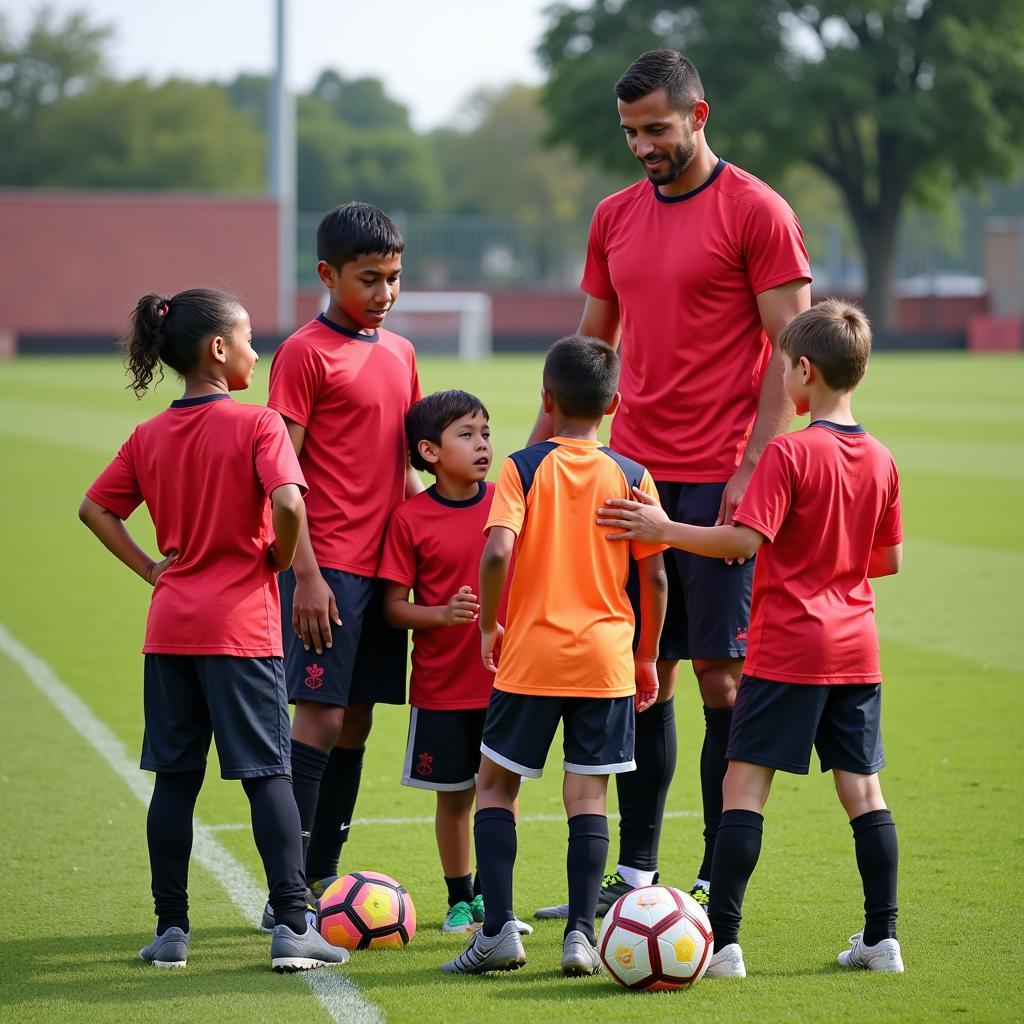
(343, 385)
(567, 655)
(433, 546)
(823, 512)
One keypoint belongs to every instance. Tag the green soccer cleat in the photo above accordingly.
(701, 895)
(460, 918)
(612, 887)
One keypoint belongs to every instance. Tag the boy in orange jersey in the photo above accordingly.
(567, 655)
(823, 512)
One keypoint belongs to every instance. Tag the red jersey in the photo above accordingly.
(824, 497)
(205, 468)
(434, 546)
(351, 392)
(686, 271)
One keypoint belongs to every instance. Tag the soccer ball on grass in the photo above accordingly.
(367, 910)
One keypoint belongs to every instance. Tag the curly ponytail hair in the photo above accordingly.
(171, 332)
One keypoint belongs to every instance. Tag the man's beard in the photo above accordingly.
(678, 160)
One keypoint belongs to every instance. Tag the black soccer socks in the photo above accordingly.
(642, 793)
(713, 765)
(736, 851)
(308, 767)
(339, 788)
(874, 839)
(584, 864)
(494, 833)
(169, 832)
(460, 889)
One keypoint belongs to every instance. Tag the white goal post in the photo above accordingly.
(473, 309)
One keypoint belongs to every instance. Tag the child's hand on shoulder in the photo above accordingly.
(157, 569)
(643, 519)
(462, 607)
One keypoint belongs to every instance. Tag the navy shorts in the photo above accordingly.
(443, 749)
(241, 702)
(776, 724)
(367, 661)
(708, 611)
(597, 734)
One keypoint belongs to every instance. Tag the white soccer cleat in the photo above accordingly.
(727, 963)
(503, 952)
(884, 956)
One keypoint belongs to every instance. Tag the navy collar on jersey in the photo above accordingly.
(187, 403)
(719, 167)
(842, 428)
(441, 500)
(344, 330)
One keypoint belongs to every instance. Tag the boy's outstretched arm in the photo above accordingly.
(885, 561)
(653, 601)
(645, 520)
(288, 515)
(494, 563)
(462, 608)
(114, 536)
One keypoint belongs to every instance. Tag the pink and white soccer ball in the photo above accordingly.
(656, 939)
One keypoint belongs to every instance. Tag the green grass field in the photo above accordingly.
(74, 874)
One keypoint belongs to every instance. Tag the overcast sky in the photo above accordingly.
(431, 55)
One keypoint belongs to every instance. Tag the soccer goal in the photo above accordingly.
(445, 322)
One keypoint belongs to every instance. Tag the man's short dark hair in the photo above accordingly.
(353, 230)
(427, 418)
(661, 69)
(835, 337)
(582, 375)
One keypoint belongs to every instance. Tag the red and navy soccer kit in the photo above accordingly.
(823, 498)
(350, 391)
(213, 638)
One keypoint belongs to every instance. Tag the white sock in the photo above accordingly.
(634, 876)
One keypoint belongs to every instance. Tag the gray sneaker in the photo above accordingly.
(290, 952)
(612, 887)
(167, 950)
(267, 921)
(503, 952)
(579, 957)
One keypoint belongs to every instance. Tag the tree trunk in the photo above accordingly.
(877, 234)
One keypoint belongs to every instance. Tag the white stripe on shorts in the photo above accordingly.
(600, 769)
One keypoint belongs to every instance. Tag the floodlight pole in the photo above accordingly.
(281, 172)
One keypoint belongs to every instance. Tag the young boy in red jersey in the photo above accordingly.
(213, 647)
(567, 657)
(823, 512)
(433, 546)
(343, 385)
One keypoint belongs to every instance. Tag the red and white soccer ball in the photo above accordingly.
(655, 939)
(367, 910)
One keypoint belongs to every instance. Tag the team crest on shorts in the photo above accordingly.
(425, 765)
(314, 677)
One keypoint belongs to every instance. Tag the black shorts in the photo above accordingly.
(367, 661)
(239, 701)
(443, 750)
(708, 611)
(776, 724)
(597, 733)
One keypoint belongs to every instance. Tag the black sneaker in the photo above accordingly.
(612, 887)
(701, 896)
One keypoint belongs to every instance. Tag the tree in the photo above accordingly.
(894, 101)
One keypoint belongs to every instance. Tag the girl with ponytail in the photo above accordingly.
(222, 484)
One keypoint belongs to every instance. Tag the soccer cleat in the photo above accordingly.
(167, 950)
(477, 908)
(459, 918)
(267, 921)
(883, 956)
(503, 952)
(579, 957)
(701, 895)
(612, 887)
(727, 963)
(290, 952)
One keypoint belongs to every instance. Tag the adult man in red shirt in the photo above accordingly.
(694, 272)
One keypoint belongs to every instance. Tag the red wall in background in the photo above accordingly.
(76, 262)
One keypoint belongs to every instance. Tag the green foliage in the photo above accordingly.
(893, 100)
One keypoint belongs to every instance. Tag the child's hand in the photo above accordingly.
(643, 519)
(490, 646)
(462, 607)
(157, 569)
(646, 675)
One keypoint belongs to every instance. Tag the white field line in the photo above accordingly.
(429, 820)
(337, 993)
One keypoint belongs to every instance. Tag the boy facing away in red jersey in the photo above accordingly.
(205, 469)
(433, 546)
(823, 514)
(343, 385)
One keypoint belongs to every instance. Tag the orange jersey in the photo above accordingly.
(569, 628)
